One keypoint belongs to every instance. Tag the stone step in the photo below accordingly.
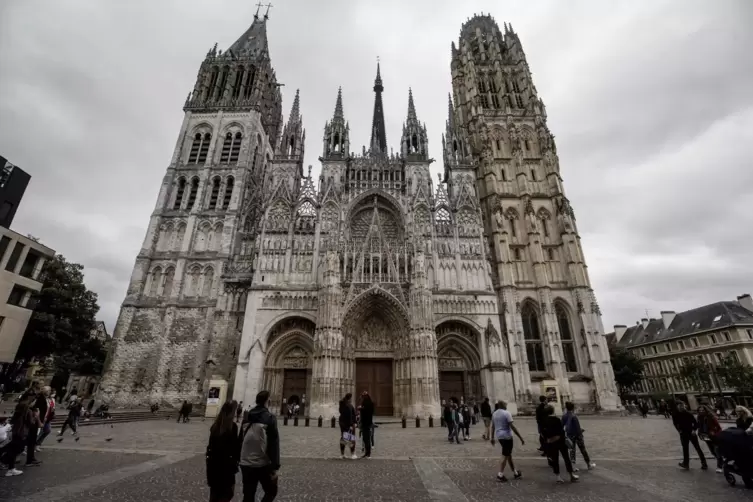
(124, 417)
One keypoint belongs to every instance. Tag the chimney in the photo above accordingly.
(619, 331)
(746, 301)
(644, 322)
(667, 316)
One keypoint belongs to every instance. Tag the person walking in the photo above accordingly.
(502, 430)
(223, 454)
(687, 427)
(260, 451)
(744, 418)
(182, 411)
(24, 421)
(447, 415)
(47, 419)
(465, 415)
(367, 423)
(708, 431)
(74, 413)
(39, 406)
(347, 423)
(455, 419)
(554, 439)
(540, 418)
(575, 434)
(486, 416)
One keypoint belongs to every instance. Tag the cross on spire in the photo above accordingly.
(266, 14)
(258, 6)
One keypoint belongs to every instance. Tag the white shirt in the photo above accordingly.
(502, 419)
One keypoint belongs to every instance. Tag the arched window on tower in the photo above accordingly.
(228, 192)
(194, 191)
(179, 193)
(213, 81)
(222, 82)
(238, 83)
(154, 283)
(204, 148)
(225, 156)
(566, 336)
(168, 287)
(195, 146)
(532, 336)
(215, 193)
(249, 87)
(235, 149)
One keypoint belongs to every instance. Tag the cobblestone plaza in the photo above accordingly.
(163, 461)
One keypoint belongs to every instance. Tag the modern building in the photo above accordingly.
(254, 274)
(13, 183)
(712, 333)
(21, 261)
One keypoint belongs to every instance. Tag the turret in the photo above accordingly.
(291, 145)
(337, 132)
(414, 142)
(378, 144)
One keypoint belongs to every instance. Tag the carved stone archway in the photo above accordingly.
(459, 361)
(287, 369)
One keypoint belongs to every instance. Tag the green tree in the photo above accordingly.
(698, 375)
(59, 331)
(736, 375)
(627, 367)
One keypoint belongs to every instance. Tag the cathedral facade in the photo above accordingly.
(371, 276)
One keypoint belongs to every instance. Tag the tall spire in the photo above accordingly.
(254, 40)
(339, 105)
(378, 134)
(411, 106)
(295, 112)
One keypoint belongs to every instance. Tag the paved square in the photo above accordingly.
(163, 461)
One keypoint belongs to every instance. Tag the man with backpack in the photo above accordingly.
(260, 451)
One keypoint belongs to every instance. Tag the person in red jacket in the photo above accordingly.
(708, 431)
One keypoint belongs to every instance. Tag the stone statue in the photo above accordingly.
(500, 220)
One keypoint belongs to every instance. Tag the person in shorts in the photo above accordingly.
(503, 428)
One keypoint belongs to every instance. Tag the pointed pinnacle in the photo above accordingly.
(378, 78)
(411, 106)
(339, 104)
(295, 112)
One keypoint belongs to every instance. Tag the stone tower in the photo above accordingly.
(497, 133)
(180, 321)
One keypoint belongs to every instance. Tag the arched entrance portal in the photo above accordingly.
(458, 361)
(287, 371)
(375, 329)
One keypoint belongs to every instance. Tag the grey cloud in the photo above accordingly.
(651, 103)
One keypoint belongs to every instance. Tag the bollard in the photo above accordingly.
(295, 421)
(404, 421)
(418, 422)
(431, 421)
(285, 420)
(333, 422)
(320, 420)
(308, 419)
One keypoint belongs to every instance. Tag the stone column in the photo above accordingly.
(424, 375)
(327, 371)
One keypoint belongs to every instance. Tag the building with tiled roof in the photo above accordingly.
(712, 332)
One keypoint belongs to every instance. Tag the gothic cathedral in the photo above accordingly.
(370, 276)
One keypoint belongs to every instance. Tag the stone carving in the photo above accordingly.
(374, 337)
(492, 335)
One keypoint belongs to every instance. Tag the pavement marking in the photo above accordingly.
(66, 490)
(437, 483)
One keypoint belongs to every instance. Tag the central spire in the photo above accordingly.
(378, 135)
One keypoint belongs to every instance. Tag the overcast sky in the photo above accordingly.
(651, 104)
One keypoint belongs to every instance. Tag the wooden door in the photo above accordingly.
(375, 376)
(293, 385)
(451, 384)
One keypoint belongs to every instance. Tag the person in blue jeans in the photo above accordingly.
(575, 435)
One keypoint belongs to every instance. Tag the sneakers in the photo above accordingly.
(342, 456)
(37, 448)
(59, 439)
(705, 467)
(518, 474)
(354, 457)
(13, 472)
(575, 469)
(591, 466)
(684, 466)
(502, 478)
(719, 470)
(558, 479)
(574, 478)
(34, 463)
